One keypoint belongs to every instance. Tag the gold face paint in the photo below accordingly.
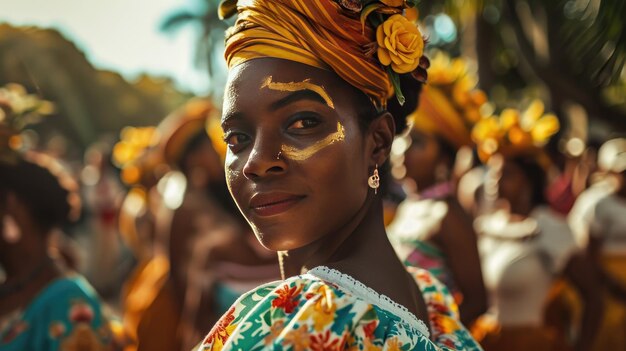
(303, 154)
(297, 86)
(230, 174)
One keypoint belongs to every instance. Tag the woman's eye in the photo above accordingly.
(235, 139)
(305, 123)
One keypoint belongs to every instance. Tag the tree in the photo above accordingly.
(89, 102)
(574, 49)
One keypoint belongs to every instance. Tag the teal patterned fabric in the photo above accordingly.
(310, 313)
(66, 316)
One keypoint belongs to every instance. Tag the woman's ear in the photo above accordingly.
(381, 132)
(16, 208)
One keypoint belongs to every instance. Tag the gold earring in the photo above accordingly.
(10, 230)
(374, 180)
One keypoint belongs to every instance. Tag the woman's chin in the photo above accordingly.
(279, 241)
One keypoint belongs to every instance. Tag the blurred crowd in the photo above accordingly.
(139, 246)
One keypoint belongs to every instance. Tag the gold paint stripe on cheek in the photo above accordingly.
(297, 86)
(303, 154)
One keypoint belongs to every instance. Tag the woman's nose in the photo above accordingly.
(265, 159)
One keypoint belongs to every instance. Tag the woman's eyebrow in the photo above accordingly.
(231, 117)
(304, 90)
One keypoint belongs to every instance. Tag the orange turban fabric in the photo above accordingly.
(318, 33)
(184, 124)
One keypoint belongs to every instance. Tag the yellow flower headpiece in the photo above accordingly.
(368, 43)
(129, 152)
(515, 133)
(18, 109)
(450, 104)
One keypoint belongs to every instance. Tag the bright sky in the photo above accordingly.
(119, 35)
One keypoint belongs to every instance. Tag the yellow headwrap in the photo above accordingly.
(197, 116)
(450, 103)
(516, 133)
(329, 35)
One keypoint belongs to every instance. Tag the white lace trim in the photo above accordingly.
(358, 289)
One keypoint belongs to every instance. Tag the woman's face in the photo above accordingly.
(204, 165)
(297, 163)
(512, 182)
(421, 159)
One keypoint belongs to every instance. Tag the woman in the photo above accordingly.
(307, 131)
(526, 246)
(42, 307)
(599, 225)
(194, 234)
(207, 239)
(430, 226)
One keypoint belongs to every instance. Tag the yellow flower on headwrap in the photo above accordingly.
(515, 133)
(400, 44)
(451, 103)
(330, 35)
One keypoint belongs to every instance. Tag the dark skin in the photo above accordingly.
(25, 262)
(422, 158)
(337, 220)
(514, 186)
(192, 251)
(456, 233)
(580, 270)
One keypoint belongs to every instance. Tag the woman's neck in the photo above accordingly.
(352, 249)
(366, 255)
(17, 268)
(319, 252)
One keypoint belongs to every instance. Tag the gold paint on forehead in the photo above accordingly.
(303, 154)
(297, 86)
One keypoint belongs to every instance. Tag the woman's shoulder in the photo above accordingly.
(291, 296)
(318, 310)
(69, 289)
(417, 219)
(308, 312)
(69, 301)
(65, 314)
(447, 330)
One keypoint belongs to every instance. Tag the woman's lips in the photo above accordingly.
(270, 204)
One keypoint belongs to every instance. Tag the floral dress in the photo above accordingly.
(66, 316)
(326, 310)
(418, 220)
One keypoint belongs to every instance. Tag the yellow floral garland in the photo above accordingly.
(514, 133)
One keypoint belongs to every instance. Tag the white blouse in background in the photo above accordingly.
(520, 261)
(600, 213)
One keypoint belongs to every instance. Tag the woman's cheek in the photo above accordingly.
(232, 173)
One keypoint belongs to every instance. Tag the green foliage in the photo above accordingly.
(88, 102)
